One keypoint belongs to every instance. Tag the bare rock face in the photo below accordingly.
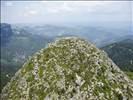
(69, 69)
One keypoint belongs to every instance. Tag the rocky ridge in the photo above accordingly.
(69, 69)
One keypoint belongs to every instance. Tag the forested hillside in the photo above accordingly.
(121, 53)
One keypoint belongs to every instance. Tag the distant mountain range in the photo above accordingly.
(98, 35)
(121, 53)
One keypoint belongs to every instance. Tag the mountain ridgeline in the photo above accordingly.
(69, 69)
(121, 53)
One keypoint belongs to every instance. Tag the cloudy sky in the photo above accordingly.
(80, 12)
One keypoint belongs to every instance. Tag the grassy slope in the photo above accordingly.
(130, 75)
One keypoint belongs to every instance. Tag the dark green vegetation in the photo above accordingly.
(70, 68)
(130, 75)
(121, 53)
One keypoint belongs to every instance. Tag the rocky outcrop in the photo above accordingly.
(69, 69)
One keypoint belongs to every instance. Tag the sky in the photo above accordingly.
(69, 12)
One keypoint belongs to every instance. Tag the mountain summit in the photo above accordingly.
(69, 69)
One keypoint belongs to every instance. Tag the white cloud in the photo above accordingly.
(61, 7)
(27, 7)
(9, 4)
(66, 10)
(75, 7)
(30, 13)
(53, 10)
(66, 7)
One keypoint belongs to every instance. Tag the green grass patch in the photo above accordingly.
(130, 75)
